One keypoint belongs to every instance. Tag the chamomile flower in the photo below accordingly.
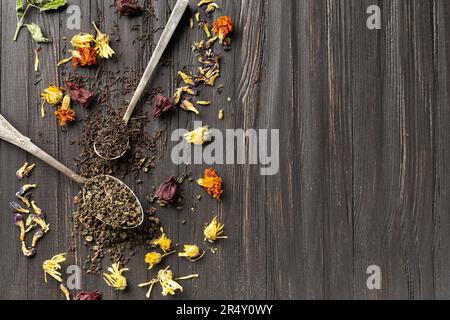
(198, 136)
(82, 40)
(102, 44)
(155, 258)
(52, 267)
(214, 231)
(163, 242)
(115, 278)
(192, 253)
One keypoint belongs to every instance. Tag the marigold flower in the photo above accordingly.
(128, 7)
(52, 267)
(89, 296)
(82, 40)
(155, 258)
(83, 57)
(212, 182)
(25, 170)
(192, 253)
(198, 136)
(52, 95)
(80, 95)
(214, 231)
(163, 105)
(163, 242)
(223, 27)
(102, 44)
(65, 114)
(168, 283)
(116, 279)
(167, 192)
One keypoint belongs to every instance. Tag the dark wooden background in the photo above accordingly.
(364, 120)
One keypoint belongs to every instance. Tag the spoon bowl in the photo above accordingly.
(10, 134)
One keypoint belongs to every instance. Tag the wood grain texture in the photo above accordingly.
(364, 152)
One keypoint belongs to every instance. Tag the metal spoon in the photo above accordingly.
(172, 24)
(13, 136)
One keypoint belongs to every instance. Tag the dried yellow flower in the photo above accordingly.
(102, 45)
(192, 253)
(155, 258)
(163, 242)
(187, 105)
(53, 95)
(221, 114)
(82, 40)
(65, 291)
(115, 278)
(52, 267)
(187, 79)
(198, 136)
(214, 231)
(168, 283)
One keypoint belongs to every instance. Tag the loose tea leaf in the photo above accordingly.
(36, 33)
(112, 202)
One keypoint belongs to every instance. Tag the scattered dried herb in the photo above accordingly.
(112, 202)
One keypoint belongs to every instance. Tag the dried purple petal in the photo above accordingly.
(80, 95)
(167, 192)
(128, 7)
(89, 296)
(163, 105)
(17, 208)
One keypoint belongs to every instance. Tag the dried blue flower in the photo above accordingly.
(17, 208)
(27, 252)
(36, 237)
(26, 200)
(24, 190)
(25, 171)
(19, 222)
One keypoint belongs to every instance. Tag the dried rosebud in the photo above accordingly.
(128, 7)
(89, 296)
(80, 95)
(163, 105)
(167, 192)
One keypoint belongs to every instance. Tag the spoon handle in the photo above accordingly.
(13, 136)
(174, 20)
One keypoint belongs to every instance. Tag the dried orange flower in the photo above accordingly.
(65, 114)
(84, 57)
(102, 44)
(163, 242)
(223, 27)
(212, 183)
(82, 40)
(214, 231)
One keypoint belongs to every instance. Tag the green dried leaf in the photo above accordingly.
(20, 8)
(36, 33)
(51, 5)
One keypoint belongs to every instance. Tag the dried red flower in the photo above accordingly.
(80, 95)
(163, 105)
(223, 27)
(86, 296)
(128, 7)
(167, 192)
(84, 57)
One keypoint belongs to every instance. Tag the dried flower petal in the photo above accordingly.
(52, 95)
(163, 106)
(52, 267)
(17, 208)
(19, 222)
(65, 114)
(83, 57)
(187, 105)
(198, 136)
(89, 296)
(25, 171)
(212, 183)
(36, 237)
(102, 45)
(27, 252)
(155, 258)
(163, 242)
(167, 192)
(24, 189)
(116, 279)
(82, 40)
(128, 7)
(223, 27)
(192, 253)
(214, 231)
(65, 291)
(189, 80)
(80, 95)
